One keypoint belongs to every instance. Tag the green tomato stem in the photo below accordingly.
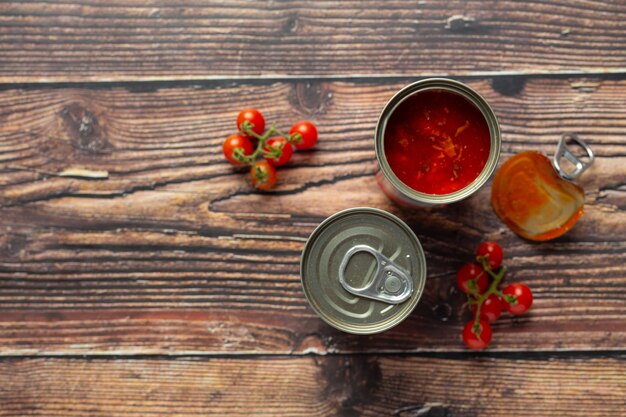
(493, 288)
(246, 129)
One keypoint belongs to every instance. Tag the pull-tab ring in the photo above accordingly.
(562, 151)
(391, 283)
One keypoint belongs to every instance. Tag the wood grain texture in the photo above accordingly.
(175, 253)
(43, 41)
(338, 386)
(169, 287)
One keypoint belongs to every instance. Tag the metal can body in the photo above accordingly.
(363, 270)
(401, 193)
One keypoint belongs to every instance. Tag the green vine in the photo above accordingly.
(475, 298)
(274, 152)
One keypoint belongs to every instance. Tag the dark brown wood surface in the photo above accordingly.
(152, 40)
(318, 386)
(176, 228)
(171, 287)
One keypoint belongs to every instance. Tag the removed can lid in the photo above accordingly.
(363, 270)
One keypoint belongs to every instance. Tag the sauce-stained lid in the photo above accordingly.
(363, 270)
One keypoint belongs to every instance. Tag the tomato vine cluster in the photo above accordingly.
(275, 147)
(480, 281)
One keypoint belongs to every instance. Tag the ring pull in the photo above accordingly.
(391, 284)
(563, 152)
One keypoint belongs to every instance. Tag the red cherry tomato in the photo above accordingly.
(481, 338)
(490, 310)
(308, 131)
(523, 296)
(253, 116)
(493, 252)
(233, 142)
(263, 175)
(277, 145)
(469, 272)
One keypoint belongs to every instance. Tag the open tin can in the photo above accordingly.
(363, 270)
(399, 191)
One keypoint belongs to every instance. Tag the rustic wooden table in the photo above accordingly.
(172, 288)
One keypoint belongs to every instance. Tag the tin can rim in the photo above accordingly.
(420, 274)
(455, 87)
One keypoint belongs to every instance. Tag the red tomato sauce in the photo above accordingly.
(437, 142)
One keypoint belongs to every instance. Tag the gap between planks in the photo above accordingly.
(26, 82)
(451, 355)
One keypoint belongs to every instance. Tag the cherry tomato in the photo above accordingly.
(523, 296)
(308, 132)
(253, 116)
(233, 142)
(493, 252)
(469, 272)
(275, 145)
(478, 340)
(490, 310)
(263, 175)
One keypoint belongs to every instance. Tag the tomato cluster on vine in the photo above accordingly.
(480, 281)
(276, 148)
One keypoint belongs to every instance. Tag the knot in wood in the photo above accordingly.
(351, 382)
(509, 86)
(311, 98)
(83, 129)
(291, 26)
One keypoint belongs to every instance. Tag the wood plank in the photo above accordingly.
(174, 253)
(150, 40)
(314, 386)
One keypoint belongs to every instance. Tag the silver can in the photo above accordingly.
(363, 270)
(400, 192)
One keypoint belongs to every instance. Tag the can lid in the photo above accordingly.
(363, 270)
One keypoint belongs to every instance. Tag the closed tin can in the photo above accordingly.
(403, 194)
(363, 270)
